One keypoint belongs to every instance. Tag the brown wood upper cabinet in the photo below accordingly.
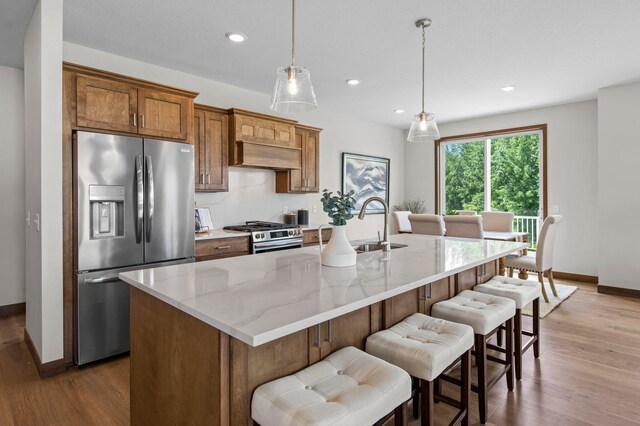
(106, 104)
(211, 149)
(112, 102)
(306, 179)
(163, 115)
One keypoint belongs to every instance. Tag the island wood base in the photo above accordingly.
(185, 371)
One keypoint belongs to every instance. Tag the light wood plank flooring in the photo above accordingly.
(588, 374)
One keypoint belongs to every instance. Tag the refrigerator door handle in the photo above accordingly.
(150, 196)
(139, 199)
(102, 280)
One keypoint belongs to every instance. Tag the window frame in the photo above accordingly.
(493, 134)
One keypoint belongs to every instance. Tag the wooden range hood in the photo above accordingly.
(262, 141)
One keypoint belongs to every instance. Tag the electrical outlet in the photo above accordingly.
(285, 209)
(314, 209)
(555, 208)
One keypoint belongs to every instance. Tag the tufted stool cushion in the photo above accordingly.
(422, 346)
(520, 291)
(483, 312)
(349, 387)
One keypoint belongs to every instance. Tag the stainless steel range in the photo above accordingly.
(270, 236)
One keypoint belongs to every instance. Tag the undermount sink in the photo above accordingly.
(367, 247)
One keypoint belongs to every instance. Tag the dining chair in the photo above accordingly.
(402, 221)
(463, 226)
(427, 224)
(497, 221)
(466, 212)
(542, 261)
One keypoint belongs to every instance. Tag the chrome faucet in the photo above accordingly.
(386, 246)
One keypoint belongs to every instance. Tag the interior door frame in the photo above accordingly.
(541, 128)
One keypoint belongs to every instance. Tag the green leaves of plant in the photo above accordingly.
(338, 207)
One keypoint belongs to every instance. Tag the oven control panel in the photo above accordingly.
(276, 234)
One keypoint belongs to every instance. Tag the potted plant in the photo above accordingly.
(338, 251)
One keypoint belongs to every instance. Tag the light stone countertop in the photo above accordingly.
(220, 233)
(261, 298)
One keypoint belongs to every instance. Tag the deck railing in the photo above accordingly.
(530, 225)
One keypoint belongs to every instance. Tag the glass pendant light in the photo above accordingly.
(293, 91)
(423, 125)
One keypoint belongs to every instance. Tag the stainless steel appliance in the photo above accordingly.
(270, 236)
(134, 201)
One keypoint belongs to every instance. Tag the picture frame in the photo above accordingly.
(367, 176)
(203, 220)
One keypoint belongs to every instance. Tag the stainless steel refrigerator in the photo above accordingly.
(134, 200)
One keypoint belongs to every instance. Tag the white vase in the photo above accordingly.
(337, 252)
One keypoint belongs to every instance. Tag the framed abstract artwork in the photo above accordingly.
(368, 177)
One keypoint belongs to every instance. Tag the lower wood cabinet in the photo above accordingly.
(310, 237)
(219, 248)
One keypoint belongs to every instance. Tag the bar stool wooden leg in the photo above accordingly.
(499, 337)
(544, 291)
(536, 327)
(400, 415)
(427, 403)
(437, 388)
(551, 283)
(509, 354)
(465, 387)
(416, 397)
(481, 363)
(517, 330)
(510, 273)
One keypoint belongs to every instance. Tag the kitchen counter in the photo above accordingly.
(220, 233)
(258, 299)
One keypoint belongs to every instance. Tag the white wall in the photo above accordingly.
(572, 145)
(12, 231)
(43, 175)
(618, 185)
(252, 191)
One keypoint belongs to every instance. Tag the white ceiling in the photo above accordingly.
(553, 51)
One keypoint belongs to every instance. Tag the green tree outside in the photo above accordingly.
(515, 175)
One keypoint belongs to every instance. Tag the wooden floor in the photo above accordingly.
(588, 374)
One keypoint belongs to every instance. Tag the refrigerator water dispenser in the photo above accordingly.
(107, 211)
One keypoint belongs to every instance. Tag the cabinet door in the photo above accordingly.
(296, 176)
(351, 329)
(311, 161)
(199, 155)
(163, 115)
(216, 137)
(104, 104)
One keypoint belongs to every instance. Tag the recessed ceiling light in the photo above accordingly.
(507, 88)
(353, 82)
(236, 37)
(398, 111)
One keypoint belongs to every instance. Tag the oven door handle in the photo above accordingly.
(297, 242)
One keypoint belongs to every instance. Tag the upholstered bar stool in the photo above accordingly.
(464, 226)
(424, 347)
(485, 314)
(349, 387)
(522, 292)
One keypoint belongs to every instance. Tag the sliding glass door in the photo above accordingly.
(502, 172)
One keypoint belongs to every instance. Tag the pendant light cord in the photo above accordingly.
(423, 48)
(293, 32)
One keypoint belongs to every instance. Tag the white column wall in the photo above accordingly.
(43, 176)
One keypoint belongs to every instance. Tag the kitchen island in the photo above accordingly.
(205, 335)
